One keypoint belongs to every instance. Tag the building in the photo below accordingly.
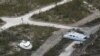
(75, 36)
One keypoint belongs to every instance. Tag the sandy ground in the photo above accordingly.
(25, 19)
(69, 49)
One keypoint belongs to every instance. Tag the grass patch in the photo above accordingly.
(94, 50)
(1, 22)
(19, 7)
(36, 34)
(5, 38)
(92, 23)
(67, 13)
(95, 3)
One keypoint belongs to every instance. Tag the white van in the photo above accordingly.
(75, 36)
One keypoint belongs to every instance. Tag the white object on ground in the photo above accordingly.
(25, 44)
(76, 36)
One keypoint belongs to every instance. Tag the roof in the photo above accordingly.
(75, 35)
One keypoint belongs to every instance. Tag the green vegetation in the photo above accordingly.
(56, 50)
(1, 22)
(36, 34)
(19, 7)
(67, 13)
(95, 3)
(92, 23)
(5, 39)
(94, 48)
